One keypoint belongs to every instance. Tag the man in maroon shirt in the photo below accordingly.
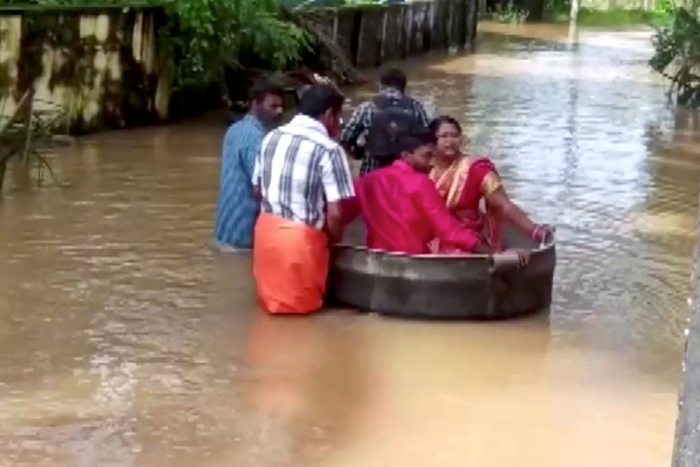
(403, 210)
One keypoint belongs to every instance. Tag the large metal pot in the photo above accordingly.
(440, 286)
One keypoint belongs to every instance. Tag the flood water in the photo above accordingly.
(125, 341)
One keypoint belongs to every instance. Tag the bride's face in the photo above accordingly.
(449, 140)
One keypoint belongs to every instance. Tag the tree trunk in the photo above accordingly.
(686, 452)
(573, 14)
(3, 171)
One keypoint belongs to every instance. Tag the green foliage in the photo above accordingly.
(664, 6)
(78, 3)
(212, 34)
(507, 14)
(618, 17)
(557, 7)
(559, 11)
(677, 52)
(325, 3)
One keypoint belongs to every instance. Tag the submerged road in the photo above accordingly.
(124, 341)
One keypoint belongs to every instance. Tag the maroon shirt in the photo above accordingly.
(403, 212)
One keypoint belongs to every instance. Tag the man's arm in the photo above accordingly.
(351, 206)
(337, 186)
(445, 226)
(255, 173)
(421, 113)
(248, 157)
(357, 124)
(499, 201)
(257, 189)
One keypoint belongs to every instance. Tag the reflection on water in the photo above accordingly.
(124, 341)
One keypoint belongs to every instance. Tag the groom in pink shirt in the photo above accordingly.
(401, 207)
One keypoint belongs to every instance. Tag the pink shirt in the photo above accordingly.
(403, 212)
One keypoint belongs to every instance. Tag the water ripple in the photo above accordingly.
(125, 342)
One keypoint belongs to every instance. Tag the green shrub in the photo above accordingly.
(677, 52)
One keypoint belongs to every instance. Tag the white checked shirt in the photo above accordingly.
(299, 168)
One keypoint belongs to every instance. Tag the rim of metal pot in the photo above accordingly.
(425, 256)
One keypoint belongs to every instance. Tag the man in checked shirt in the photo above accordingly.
(301, 176)
(381, 119)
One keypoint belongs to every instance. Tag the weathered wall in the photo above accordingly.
(102, 66)
(374, 34)
(105, 67)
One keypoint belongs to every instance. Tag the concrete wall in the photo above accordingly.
(374, 34)
(102, 66)
(105, 68)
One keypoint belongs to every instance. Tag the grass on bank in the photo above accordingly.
(610, 18)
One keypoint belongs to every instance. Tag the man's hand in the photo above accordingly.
(523, 256)
(354, 152)
(511, 259)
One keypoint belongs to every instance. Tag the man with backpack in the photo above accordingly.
(382, 120)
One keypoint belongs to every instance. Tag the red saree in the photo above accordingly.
(463, 185)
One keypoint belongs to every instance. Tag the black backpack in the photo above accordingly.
(392, 117)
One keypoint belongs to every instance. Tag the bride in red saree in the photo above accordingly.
(465, 182)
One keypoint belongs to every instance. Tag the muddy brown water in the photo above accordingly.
(125, 341)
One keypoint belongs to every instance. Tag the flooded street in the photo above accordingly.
(125, 341)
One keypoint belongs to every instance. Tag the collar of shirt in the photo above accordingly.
(255, 121)
(390, 92)
(309, 123)
(403, 166)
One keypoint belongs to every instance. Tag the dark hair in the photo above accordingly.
(318, 99)
(421, 136)
(394, 78)
(442, 120)
(263, 88)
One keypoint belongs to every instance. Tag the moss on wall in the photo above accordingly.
(102, 67)
(106, 67)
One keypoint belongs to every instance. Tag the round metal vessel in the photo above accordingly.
(439, 286)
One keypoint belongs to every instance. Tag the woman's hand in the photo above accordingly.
(543, 233)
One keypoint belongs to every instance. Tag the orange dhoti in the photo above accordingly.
(290, 265)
